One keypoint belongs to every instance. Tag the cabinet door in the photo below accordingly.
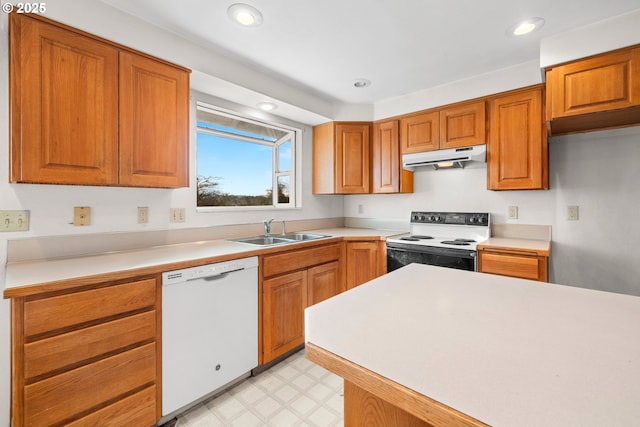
(385, 157)
(517, 157)
(600, 83)
(324, 281)
(420, 132)
(463, 125)
(362, 263)
(352, 158)
(283, 302)
(154, 120)
(64, 106)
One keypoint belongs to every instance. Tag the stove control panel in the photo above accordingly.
(451, 218)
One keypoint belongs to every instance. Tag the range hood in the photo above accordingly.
(451, 157)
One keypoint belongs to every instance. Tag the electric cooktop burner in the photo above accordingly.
(458, 242)
(415, 238)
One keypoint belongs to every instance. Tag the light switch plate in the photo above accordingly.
(14, 220)
(176, 215)
(573, 213)
(513, 212)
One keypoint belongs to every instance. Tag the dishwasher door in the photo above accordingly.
(209, 329)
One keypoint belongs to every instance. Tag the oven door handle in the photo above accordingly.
(435, 251)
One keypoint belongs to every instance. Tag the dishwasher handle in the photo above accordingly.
(216, 276)
(208, 272)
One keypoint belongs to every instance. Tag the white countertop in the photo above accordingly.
(43, 271)
(506, 351)
(539, 246)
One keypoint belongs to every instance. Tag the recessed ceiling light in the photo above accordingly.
(267, 106)
(525, 27)
(362, 83)
(245, 15)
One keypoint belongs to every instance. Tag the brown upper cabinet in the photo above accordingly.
(462, 125)
(386, 160)
(87, 111)
(517, 151)
(341, 157)
(598, 92)
(458, 125)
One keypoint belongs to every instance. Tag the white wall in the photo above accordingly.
(597, 171)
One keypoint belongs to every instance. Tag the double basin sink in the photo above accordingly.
(280, 239)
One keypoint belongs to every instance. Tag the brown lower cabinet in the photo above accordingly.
(365, 260)
(87, 356)
(514, 263)
(292, 281)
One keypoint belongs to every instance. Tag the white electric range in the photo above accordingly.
(446, 239)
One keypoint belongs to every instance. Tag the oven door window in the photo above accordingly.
(461, 260)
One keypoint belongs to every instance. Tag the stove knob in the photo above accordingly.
(438, 218)
(432, 218)
(473, 220)
(422, 218)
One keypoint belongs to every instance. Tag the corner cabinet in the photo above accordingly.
(365, 260)
(341, 152)
(292, 281)
(517, 151)
(87, 111)
(597, 92)
(386, 160)
(88, 356)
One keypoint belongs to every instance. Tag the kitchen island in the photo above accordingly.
(430, 346)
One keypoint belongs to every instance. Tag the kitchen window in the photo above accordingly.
(242, 162)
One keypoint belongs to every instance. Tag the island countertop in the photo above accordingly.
(504, 351)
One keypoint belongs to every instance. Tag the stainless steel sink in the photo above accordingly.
(263, 241)
(280, 239)
(303, 236)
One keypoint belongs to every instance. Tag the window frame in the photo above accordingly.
(294, 173)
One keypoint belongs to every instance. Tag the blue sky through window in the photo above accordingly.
(245, 168)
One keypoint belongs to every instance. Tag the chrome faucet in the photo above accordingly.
(267, 227)
(284, 228)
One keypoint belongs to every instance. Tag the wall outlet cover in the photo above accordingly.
(513, 212)
(143, 215)
(573, 213)
(81, 216)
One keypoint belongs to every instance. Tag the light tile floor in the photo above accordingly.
(295, 392)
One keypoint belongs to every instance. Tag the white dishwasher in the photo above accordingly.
(209, 329)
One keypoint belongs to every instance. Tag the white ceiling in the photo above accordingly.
(402, 46)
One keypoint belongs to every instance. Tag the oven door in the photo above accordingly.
(400, 254)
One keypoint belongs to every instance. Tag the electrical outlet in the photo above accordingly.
(176, 215)
(81, 216)
(143, 215)
(14, 220)
(572, 213)
(513, 212)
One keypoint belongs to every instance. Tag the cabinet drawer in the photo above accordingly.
(58, 398)
(49, 314)
(136, 410)
(523, 266)
(68, 349)
(303, 258)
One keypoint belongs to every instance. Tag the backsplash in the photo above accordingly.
(52, 247)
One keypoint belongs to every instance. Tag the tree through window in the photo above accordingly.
(243, 162)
